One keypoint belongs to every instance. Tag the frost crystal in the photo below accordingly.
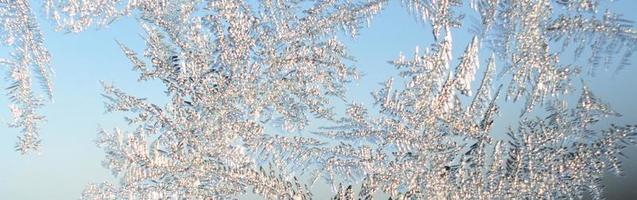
(228, 70)
(429, 143)
(231, 68)
(20, 32)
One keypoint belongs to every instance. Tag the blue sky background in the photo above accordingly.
(70, 159)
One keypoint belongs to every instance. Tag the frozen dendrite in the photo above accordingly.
(229, 67)
(433, 139)
(28, 58)
(231, 71)
(232, 67)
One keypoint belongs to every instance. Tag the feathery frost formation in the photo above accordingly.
(228, 67)
(27, 58)
(231, 68)
(427, 143)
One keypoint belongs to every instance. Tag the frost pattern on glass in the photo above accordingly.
(27, 59)
(433, 138)
(232, 67)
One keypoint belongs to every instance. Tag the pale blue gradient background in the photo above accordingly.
(70, 158)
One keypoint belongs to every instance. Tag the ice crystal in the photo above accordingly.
(232, 68)
(226, 68)
(427, 142)
(433, 146)
(20, 32)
